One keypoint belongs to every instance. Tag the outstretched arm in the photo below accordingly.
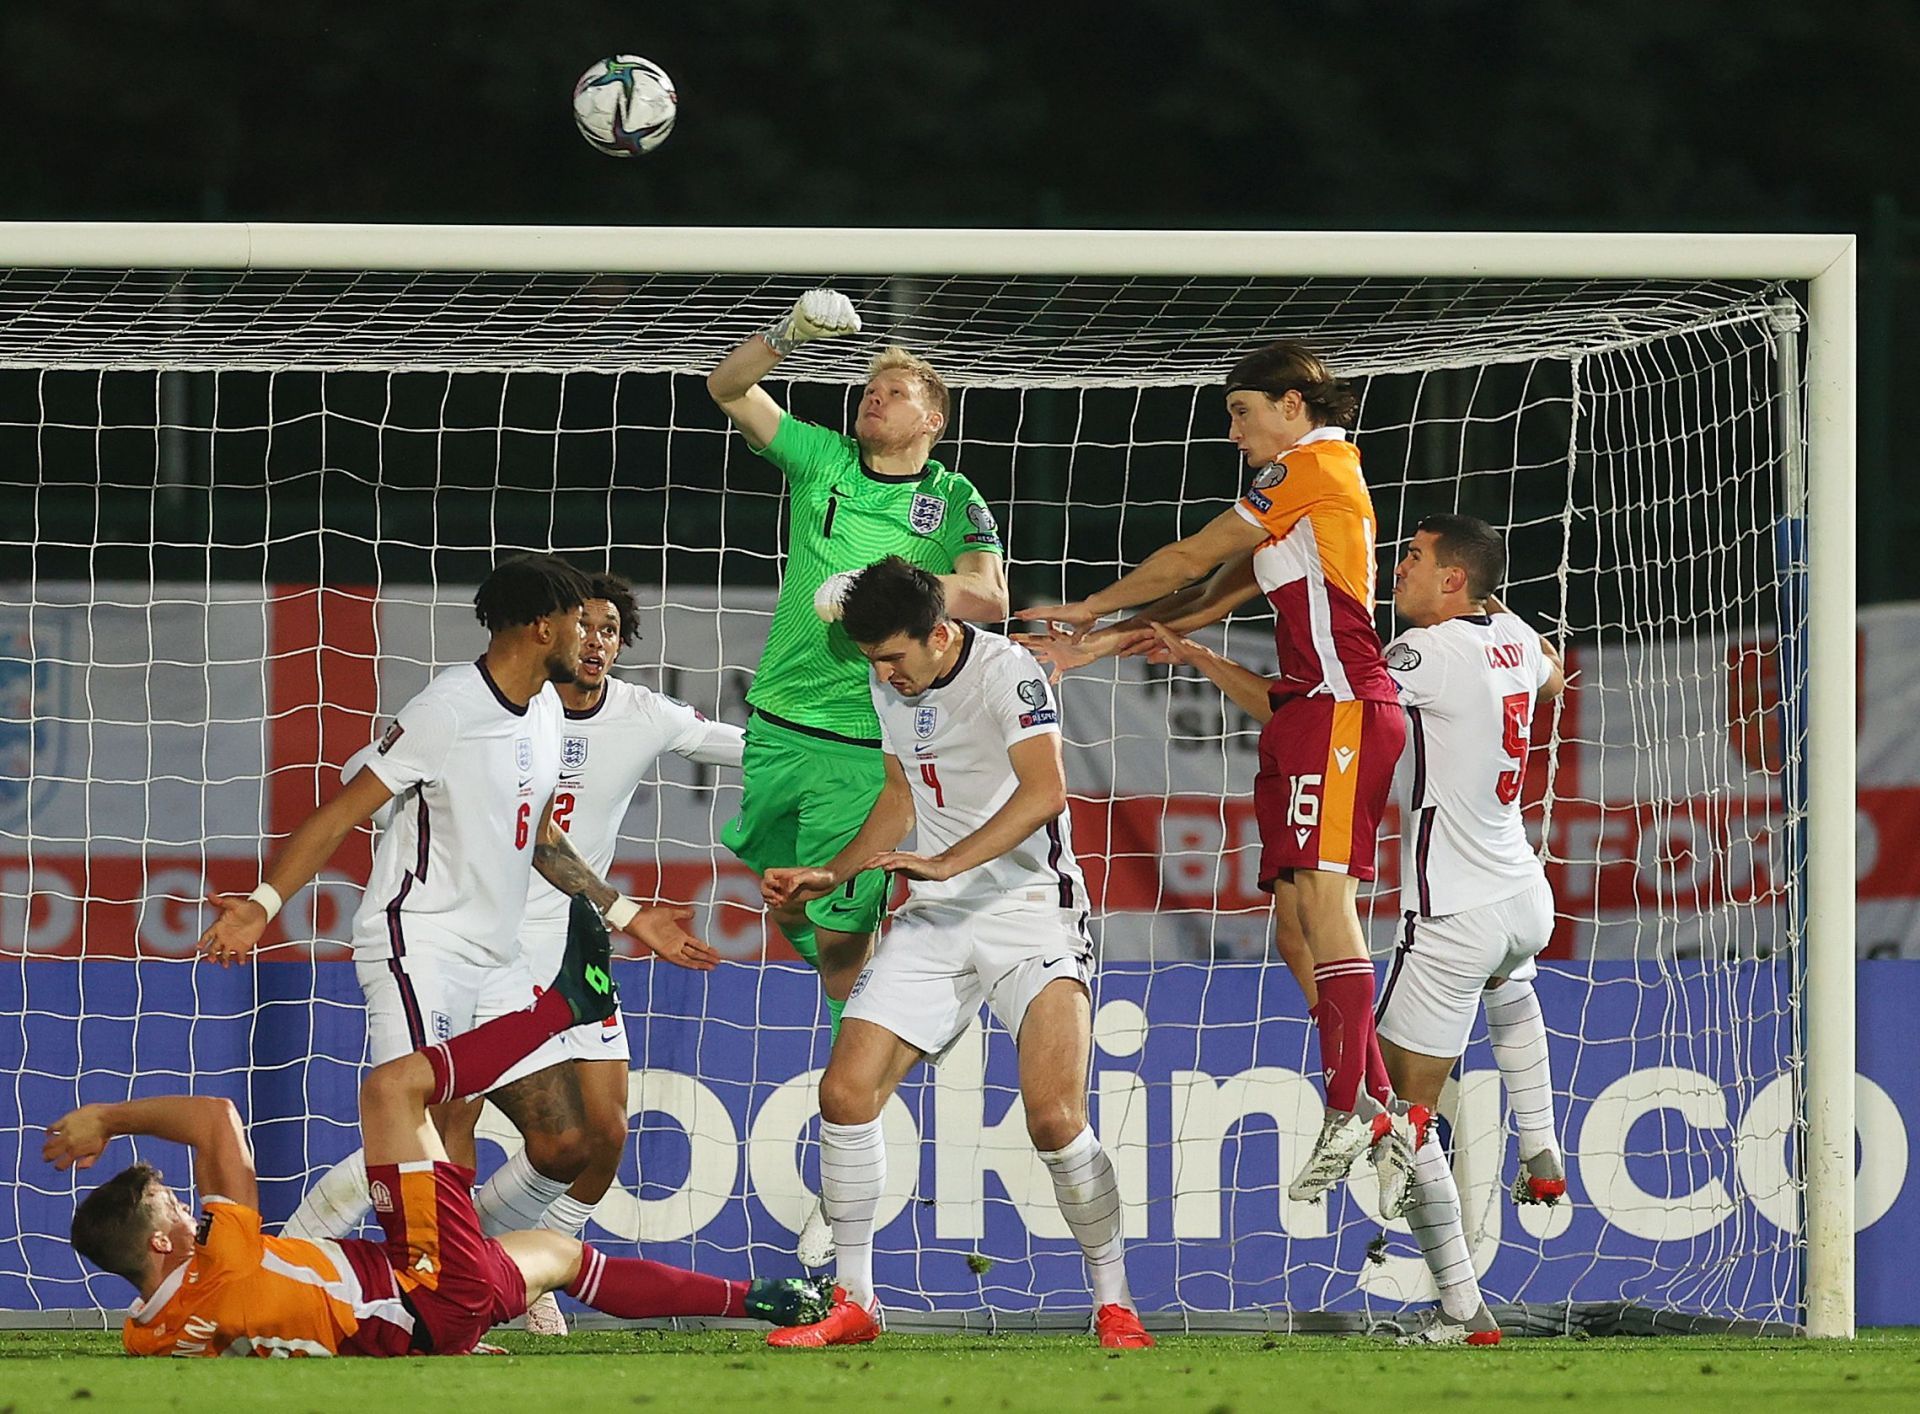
(886, 825)
(232, 936)
(1226, 537)
(1184, 610)
(1245, 688)
(735, 383)
(657, 929)
(222, 1160)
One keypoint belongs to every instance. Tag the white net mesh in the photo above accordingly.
(189, 456)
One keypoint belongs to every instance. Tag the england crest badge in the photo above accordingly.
(523, 753)
(923, 720)
(926, 513)
(573, 753)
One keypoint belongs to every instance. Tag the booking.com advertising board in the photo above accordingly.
(1679, 1149)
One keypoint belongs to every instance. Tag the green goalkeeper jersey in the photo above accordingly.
(844, 517)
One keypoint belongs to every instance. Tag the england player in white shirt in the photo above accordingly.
(611, 736)
(1475, 905)
(470, 766)
(997, 912)
(1476, 908)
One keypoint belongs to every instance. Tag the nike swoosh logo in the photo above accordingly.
(1046, 965)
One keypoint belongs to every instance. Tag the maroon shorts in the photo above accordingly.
(458, 1282)
(1326, 769)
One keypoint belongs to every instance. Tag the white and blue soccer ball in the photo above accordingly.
(625, 105)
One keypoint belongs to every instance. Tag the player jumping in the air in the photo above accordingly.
(613, 733)
(471, 764)
(221, 1286)
(1304, 536)
(997, 912)
(1475, 903)
(812, 768)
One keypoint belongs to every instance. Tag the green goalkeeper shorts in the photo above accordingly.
(803, 798)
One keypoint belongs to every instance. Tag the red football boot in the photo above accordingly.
(844, 1324)
(1120, 1329)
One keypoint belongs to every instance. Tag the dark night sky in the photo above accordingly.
(1453, 113)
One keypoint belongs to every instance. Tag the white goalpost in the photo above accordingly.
(252, 472)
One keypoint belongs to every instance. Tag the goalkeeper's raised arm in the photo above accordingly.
(812, 767)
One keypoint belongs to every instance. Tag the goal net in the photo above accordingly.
(246, 514)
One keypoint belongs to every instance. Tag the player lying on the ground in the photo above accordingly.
(613, 734)
(997, 912)
(220, 1286)
(1303, 534)
(1476, 907)
(812, 769)
(470, 765)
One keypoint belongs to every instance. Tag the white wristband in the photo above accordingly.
(621, 912)
(268, 897)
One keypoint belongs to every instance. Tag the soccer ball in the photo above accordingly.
(624, 105)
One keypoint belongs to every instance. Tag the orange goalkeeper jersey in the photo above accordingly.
(242, 1292)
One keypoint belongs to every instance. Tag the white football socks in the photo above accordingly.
(568, 1215)
(853, 1172)
(1085, 1186)
(1519, 1037)
(517, 1197)
(336, 1205)
(1435, 1220)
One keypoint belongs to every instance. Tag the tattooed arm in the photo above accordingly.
(560, 864)
(656, 929)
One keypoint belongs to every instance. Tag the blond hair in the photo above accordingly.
(933, 389)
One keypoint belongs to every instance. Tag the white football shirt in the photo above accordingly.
(952, 743)
(1469, 686)
(605, 752)
(472, 773)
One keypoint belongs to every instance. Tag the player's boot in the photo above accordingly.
(845, 1324)
(1542, 1179)
(1393, 1156)
(1120, 1329)
(791, 1301)
(816, 1248)
(1343, 1138)
(1441, 1329)
(585, 977)
(544, 1317)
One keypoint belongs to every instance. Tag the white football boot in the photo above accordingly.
(815, 1248)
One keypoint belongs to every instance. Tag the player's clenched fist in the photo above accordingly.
(818, 314)
(783, 886)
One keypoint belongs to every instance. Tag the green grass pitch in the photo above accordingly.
(674, 1373)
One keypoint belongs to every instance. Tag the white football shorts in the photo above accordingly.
(427, 997)
(541, 950)
(1442, 966)
(936, 965)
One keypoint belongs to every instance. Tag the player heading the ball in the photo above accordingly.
(812, 767)
(1302, 535)
(436, 1285)
(1475, 903)
(997, 913)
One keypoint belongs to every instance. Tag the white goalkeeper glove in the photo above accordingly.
(818, 314)
(826, 599)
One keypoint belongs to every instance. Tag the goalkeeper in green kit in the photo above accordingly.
(813, 766)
